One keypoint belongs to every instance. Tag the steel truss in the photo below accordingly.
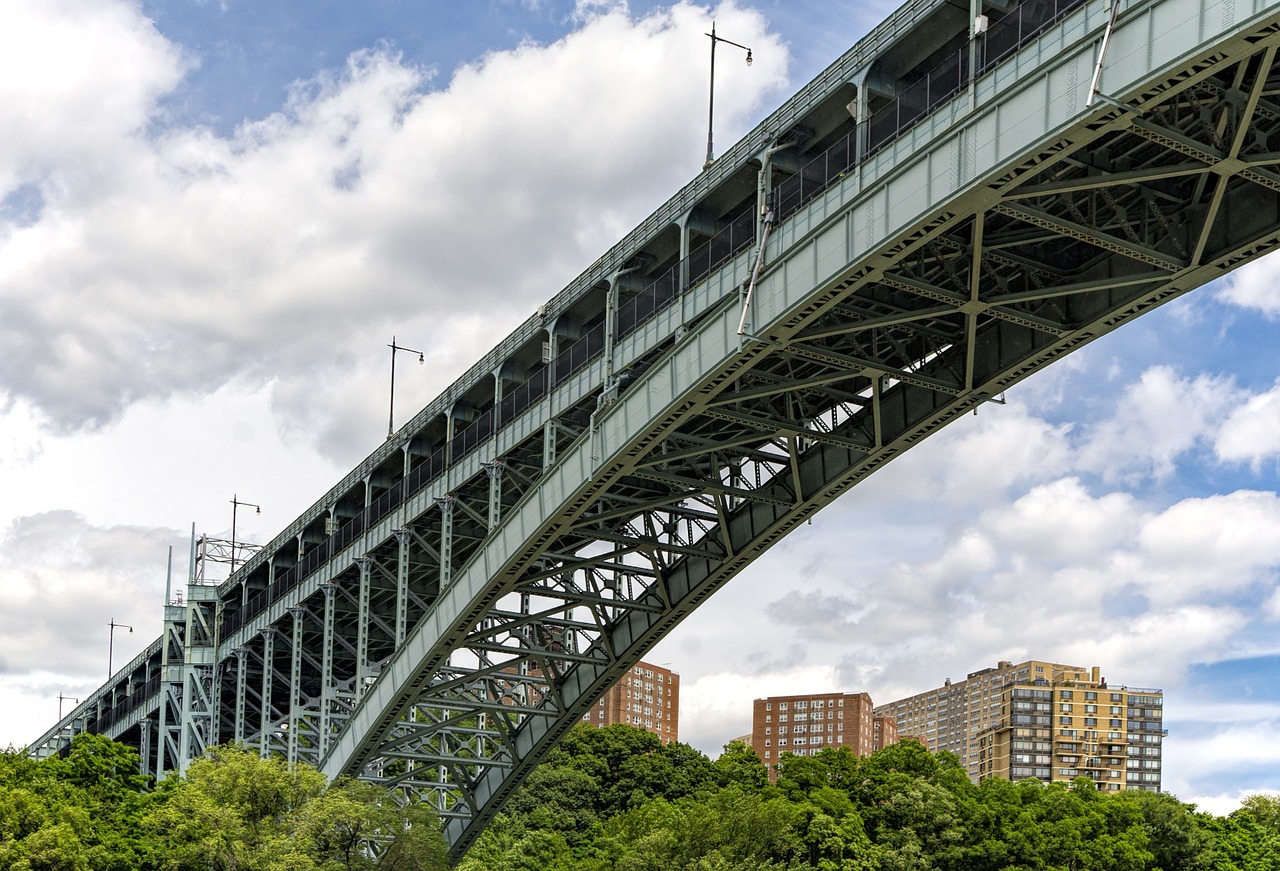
(1123, 213)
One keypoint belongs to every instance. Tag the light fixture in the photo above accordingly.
(235, 504)
(711, 101)
(391, 412)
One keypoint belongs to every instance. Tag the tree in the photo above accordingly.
(235, 811)
(81, 811)
(739, 763)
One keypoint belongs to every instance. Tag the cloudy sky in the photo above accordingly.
(215, 215)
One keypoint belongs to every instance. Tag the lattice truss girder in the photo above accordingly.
(349, 628)
(1124, 213)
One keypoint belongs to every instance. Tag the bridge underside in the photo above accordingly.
(1128, 208)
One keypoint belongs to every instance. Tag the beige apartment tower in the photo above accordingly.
(647, 696)
(1039, 719)
(803, 725)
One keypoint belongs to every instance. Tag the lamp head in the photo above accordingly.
(130, 630)
(422, 358)
(259, 509)
(748, 57)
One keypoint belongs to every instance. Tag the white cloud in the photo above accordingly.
(1158, 418)
(63, 578)
(1251, 431)
(716, 708)
(1209, 546)
(1255, 285)
(369, 206)
(79, 80)
(1062, 524)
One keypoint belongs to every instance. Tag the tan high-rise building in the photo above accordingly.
(647, 696)
(803, 725)
(1041, 719)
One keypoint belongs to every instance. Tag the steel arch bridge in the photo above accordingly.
(968, 194)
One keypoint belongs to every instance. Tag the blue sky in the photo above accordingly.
(214, 216)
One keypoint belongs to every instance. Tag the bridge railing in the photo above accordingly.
(918, 100)
(1023, 23)
(814, 177)
(108, 717)
(519, 398)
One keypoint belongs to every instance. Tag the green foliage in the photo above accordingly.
(235, 810)
(740, 764)
(616, 799)
(92, 811)
(72, 813)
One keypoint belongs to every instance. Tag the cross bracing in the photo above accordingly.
(449, 610)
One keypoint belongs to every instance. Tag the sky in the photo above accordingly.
(216, 214)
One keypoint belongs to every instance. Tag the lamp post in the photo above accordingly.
(391, 414)
(111, 643)
(235, 504)
(62, 698)
(711, 101)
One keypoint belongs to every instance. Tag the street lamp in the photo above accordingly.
(111, 641)
(391, 414)
(62, 698)
(235, 504)
(711, 102)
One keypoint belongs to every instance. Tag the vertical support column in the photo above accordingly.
(551, 350)
(764, 189)
(295, 682)
(450, 428)
(548, 444)
(494, 471)
(499, 390)
(145, 727)
(686, 239)
(218, 676)
(522, 687)
(975, 287)
(445, 504)
(365, 565)
(975, 9)
(402, 583)
(326, 669)
(268, 676)
(610, 326)
(242, 681)
(860, 109)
